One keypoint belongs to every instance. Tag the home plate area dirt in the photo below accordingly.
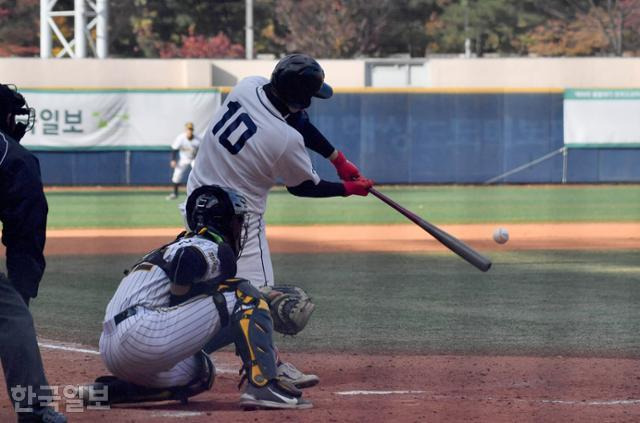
(387, 388)
(380, 388)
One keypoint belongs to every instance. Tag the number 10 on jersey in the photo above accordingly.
(223, 138)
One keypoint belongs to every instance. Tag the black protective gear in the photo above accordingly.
(108, 390)
(252, 330)
(218, 212)
(13, 104)
(298, 77)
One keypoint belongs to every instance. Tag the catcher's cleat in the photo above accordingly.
(274, 395)
(109, 390)
(289, 373)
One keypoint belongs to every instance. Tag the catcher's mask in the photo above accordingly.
(16, 117)
(298, 77)
(219, 211)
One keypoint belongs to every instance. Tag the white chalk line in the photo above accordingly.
(66, 348)
(470, 398)
(347, 393)
(177, 414)
(220, 367)
(223, 368)
(611, 402)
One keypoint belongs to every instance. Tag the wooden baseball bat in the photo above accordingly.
(449, 241)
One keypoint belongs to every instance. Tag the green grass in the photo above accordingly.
(440, 204)
(574, 303)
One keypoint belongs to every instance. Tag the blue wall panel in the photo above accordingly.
(150, 167)
(83, 168)
(406, 138)
(444, 137)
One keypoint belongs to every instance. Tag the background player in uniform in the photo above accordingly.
(23, 212)
(183, 151)
(177, 298)
(258, 138)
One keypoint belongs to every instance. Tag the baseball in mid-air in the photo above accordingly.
(500, 235)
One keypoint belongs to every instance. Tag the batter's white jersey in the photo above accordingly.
(250, 147)
(156, 345)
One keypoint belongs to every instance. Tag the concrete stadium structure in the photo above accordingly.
(431, 73)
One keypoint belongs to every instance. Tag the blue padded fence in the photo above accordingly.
(408, 137)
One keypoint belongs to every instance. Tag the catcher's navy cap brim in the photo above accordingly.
(325, 91)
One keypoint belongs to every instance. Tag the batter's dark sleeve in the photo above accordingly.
(322, 190)
(313, 138)
(23, 212)
(174, 155)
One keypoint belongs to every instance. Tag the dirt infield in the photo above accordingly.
(365, 238)
(386, 388)
(382, 388)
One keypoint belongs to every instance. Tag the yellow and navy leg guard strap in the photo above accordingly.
(253, 334)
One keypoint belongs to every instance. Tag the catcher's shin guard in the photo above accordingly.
(253, 335)
(111, 390)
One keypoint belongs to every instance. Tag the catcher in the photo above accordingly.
(176, 299)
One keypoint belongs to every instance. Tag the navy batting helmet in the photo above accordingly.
(221, 210)
(298, 77)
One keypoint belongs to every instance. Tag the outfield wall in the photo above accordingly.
(421, 136)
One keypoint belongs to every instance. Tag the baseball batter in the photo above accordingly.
(257, 139)
(176, 299)
(183, 152)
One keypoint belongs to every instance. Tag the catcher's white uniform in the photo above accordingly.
(249, 147)
(187, 150)
(155, 345)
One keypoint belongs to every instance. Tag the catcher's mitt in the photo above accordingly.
(290, 308)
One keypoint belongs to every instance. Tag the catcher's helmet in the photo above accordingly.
(298, 77)
(13, 104)
(220, 210)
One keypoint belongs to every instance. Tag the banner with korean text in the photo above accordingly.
(602, 117)
(116, 119)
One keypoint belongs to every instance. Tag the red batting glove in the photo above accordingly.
(347, 171)
(359, 186)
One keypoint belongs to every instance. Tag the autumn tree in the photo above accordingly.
(557, 37)
(612, 20)
(491, 26)
(334, 28)
(147, 28)
(19, 20)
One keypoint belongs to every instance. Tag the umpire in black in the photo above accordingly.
(23, 212)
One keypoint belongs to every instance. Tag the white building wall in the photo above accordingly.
(436, 73)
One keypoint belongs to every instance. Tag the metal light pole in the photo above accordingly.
(467, 41)
(102, 29)
(248, 29)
